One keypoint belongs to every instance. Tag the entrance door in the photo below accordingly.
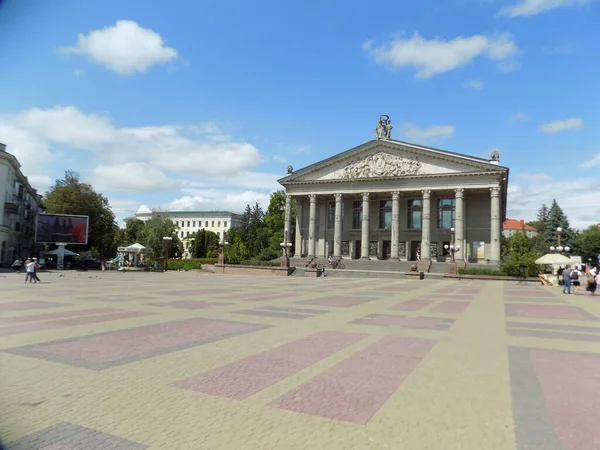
(386, 248)
(414, 246)
(357, 247)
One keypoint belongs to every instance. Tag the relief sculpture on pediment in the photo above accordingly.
(382, 165)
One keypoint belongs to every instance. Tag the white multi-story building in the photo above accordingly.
(18, 210)
(190, 222)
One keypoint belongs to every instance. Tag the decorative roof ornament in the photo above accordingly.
(495, 155)
(290, 170)
(383, 131)
(382, 165)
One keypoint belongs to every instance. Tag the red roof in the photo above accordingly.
(513, 224)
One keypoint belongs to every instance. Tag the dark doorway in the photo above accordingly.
(386, 250)
(415, 246)
(357, 248)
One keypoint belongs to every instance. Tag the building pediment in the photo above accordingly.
(390, 159)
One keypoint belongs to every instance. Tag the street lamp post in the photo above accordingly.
(559, 248)
(166, 246)
(285, 245)
(221, 251)
(452, 248)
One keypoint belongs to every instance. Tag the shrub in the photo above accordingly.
(189, 264)
(237, 252)
(268, 254)
(256, 262)
(481, 271)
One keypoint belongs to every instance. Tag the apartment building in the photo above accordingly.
(18, 211)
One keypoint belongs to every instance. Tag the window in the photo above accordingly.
(188, 223)
(212, 224)
(206, 224)
(446, 213)
(330, 215)
(414, 214)
(182, 234)
(385, 215)
(219, 224)
(182, 223)
(188, 233)
(225, 224)
(357, 215)
(194, 224)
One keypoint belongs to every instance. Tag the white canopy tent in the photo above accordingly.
(131, 257)
(65, 252)
(554, 258)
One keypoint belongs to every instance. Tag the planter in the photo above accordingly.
(313, 273)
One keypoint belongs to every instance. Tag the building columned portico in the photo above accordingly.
(388, 199)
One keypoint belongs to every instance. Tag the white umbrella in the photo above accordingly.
(66, 253)
(554, 258)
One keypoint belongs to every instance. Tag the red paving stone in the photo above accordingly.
(412, 305)
(355, 389)
(527, 293)
(146, 341)
(403, 321)
(57, 315)
(450, 307)
(571, 386)
(25, 328)
(549, 312)
(248, 376)
(27, 305)
(98, 318)
(339, 300)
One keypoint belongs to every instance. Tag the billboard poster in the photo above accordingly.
(61, 228)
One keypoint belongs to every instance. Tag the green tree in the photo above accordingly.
(275, 221)
(156, 227)
(556, 219)
(588, 243)
(132, 232)
(519, 250)
(71, 196)
(204, 243)
(236, 252)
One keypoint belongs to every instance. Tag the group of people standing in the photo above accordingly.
(31, 267)
(572, 278)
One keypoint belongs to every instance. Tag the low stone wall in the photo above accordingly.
(236, 269)
(488, 277)
(313, 273)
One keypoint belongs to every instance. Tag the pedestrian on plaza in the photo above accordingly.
(567, 280)
(36, 267)
(592, 284)
(29, 269)
(17, 265)
(575, 279)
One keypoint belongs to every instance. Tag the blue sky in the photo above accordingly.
(203, 104)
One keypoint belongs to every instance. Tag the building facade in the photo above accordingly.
(388, 199)
(511, 226)
(19, 210)
(189, 222)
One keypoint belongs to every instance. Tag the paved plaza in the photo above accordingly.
(202, 361)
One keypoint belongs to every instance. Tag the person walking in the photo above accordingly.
(575, 279)
(36, 266)
(29, 269)
(17, 265)
(592, 285)
(567, 280)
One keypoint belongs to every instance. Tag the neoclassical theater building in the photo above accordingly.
(388, 199)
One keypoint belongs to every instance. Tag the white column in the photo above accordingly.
(459, 223)
(364, 250)
(298, 245)
(495, 225)
(426, 225)
(395, 223)
(287, 232)
(337, 231)
(312, 226)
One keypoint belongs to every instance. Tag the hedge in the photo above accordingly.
(481, 271)
(189, 264)
(256, 262)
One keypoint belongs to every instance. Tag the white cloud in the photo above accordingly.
(131, 177)
(533, 7)
(422, 135)
(474, 84)
(561, 125)
(435, 56)
(124, 48)
(592, 162)
(529, 191)
(234, 201)
(279, 159)
(245, 180)
(519, 117)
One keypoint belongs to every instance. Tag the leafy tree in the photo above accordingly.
(236, 252)
(204, 243)
(588, 243)
(159, 226)
(132, 233)
(519, 250)
(71, 196)
(275, 221)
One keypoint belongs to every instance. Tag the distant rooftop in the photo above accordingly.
(187, 213)
(514, 224)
